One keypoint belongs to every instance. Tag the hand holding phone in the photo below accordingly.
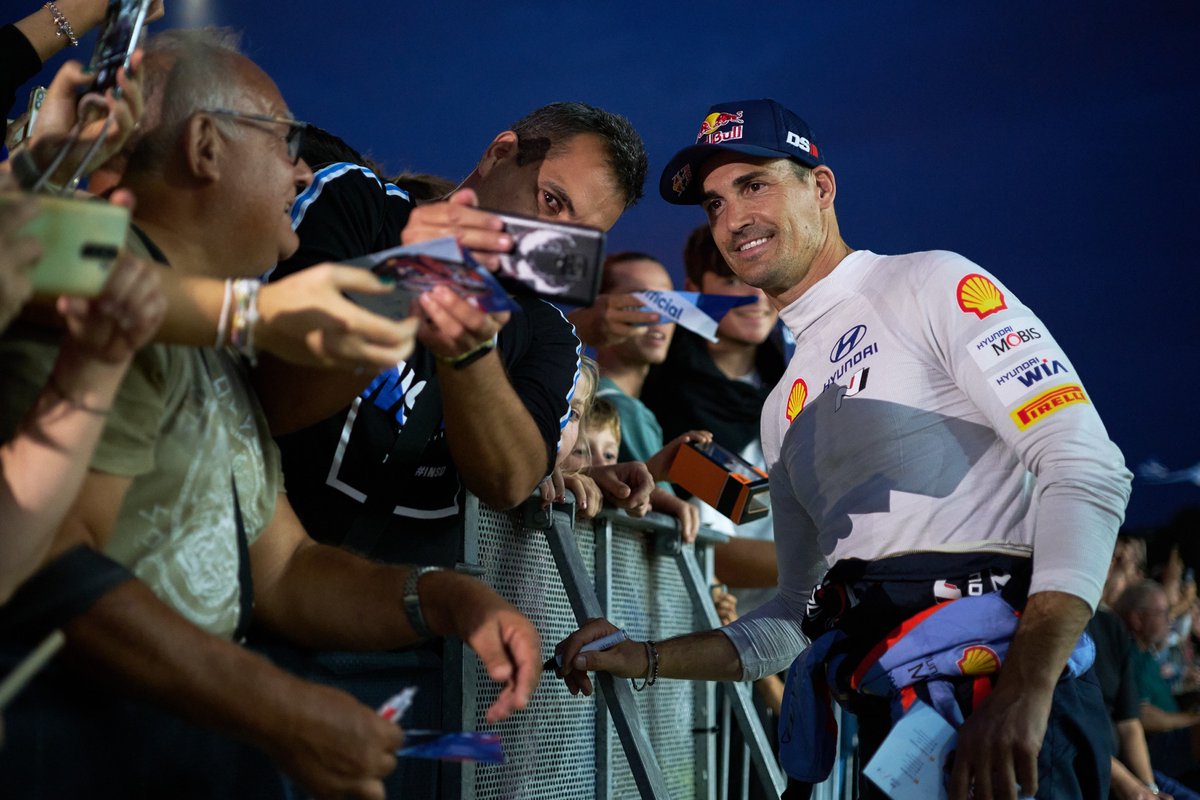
(80, 240)
(120, 35)
(556, 261)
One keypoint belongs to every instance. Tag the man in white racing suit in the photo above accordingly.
(929, 441)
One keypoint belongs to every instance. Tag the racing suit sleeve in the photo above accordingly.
(768, 639)
(1024, 386)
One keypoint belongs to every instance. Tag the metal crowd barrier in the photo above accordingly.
(669, 742)
(660, 743)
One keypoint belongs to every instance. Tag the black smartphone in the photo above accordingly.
(556, 261)
(120, 35)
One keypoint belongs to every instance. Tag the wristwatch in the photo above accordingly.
(412, 601)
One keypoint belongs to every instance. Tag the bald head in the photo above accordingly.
(185, 71)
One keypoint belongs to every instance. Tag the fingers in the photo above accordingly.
(458, 217)
(16, 210)
(960, 778)
(569, 648)
(524, 649)
(1026, 772)
(455, 326)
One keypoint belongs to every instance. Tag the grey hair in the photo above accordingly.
(1137, 597)
(185, 70)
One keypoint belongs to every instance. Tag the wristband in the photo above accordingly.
(471, 356)
(412, 601)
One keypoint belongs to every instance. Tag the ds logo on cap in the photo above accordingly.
(756, 128)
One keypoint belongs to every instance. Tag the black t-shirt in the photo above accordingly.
(332, 467)
(1114, 667)
(687, 392)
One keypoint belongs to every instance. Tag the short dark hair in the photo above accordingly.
(424, 187)
(700, 255)
(319, 147)
(550, 127)
(606, 279)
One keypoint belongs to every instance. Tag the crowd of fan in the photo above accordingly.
(149, 432)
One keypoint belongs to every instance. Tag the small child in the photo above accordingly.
(602, 432)
(570, 459)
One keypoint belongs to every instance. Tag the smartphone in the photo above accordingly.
(80, 241)
(556, 261)
(120, 35)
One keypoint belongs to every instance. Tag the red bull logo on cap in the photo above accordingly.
(710, 128)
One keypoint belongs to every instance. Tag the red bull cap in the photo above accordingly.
(754, 127)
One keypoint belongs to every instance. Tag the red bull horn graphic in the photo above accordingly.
(710, 128)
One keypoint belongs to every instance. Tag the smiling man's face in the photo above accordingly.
(765, 219)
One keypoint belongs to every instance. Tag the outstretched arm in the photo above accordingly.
(324, 596)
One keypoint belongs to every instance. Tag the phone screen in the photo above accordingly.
(119, 36)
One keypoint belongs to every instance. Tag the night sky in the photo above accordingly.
(1054, 144)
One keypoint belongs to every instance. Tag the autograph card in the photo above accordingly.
(414, 269)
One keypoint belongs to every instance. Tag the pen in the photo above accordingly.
(603, 643)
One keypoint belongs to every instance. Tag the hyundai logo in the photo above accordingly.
(845, 345)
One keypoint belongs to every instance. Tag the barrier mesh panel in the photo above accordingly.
(650, 601)
(550, 746)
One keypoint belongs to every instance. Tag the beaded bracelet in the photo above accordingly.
(62, 25)
(245, 317)
(224, 318)
(651, 668)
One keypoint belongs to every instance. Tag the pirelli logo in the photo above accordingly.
(1047, 403)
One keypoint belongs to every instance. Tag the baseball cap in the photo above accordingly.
(755, 127)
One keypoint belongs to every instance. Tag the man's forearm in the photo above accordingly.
(1156, 720)
(1049, 630)
(131, 639)
(702, 656)
(1133, 750)
(495, 443)
(327, 597)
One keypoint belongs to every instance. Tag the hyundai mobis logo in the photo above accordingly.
(846, 344)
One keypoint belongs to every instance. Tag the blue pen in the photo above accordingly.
(603, 643)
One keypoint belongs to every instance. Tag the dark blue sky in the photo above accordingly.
(1054, 144)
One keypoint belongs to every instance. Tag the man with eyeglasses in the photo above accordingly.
(184, 500)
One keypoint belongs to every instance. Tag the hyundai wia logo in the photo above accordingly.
(845, 345)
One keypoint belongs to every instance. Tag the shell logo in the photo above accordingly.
(978, 295)
(979, 659)
(796, 398)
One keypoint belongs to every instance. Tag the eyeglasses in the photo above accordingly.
(294, 135)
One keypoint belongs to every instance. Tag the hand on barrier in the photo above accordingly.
(505, 641)
(626, 485)
(660, 463)
(478, 231)
(625, 660)
(306, 319)
(335, 746)
(689, 517)
(611, 319)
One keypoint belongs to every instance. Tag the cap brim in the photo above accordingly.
(693, 157)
